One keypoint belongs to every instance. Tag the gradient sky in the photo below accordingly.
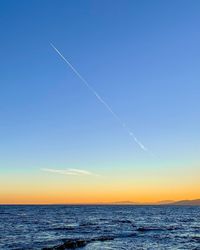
(142, 57)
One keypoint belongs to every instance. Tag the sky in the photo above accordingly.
(58, 142)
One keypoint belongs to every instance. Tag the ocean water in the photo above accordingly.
(99, 227)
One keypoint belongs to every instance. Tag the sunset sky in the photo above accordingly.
(58, 141)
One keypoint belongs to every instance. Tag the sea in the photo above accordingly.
(95, 227)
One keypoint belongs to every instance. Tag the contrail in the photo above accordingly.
(70, 171)
(100, 99)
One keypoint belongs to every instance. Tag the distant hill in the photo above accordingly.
(186, 203)
(125, 202)
(164, 202)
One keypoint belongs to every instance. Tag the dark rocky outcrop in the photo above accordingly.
(78, 243)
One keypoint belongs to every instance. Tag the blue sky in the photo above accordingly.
(142, 57)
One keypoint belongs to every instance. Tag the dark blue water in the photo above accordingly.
(99, 227)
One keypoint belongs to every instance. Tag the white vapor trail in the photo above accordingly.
(69, 171)
(100, 99)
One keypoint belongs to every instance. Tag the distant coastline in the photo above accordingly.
(195, 202)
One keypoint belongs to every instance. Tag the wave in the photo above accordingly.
(62, 228)
(123, 221)
(146, 229)
(86, 224)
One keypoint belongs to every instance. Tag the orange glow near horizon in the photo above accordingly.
(97, 195)
(42, 188)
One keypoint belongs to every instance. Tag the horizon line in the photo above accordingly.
(164, 202)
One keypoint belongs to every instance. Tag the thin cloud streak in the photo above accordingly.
(100, 99)
(69, 171)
